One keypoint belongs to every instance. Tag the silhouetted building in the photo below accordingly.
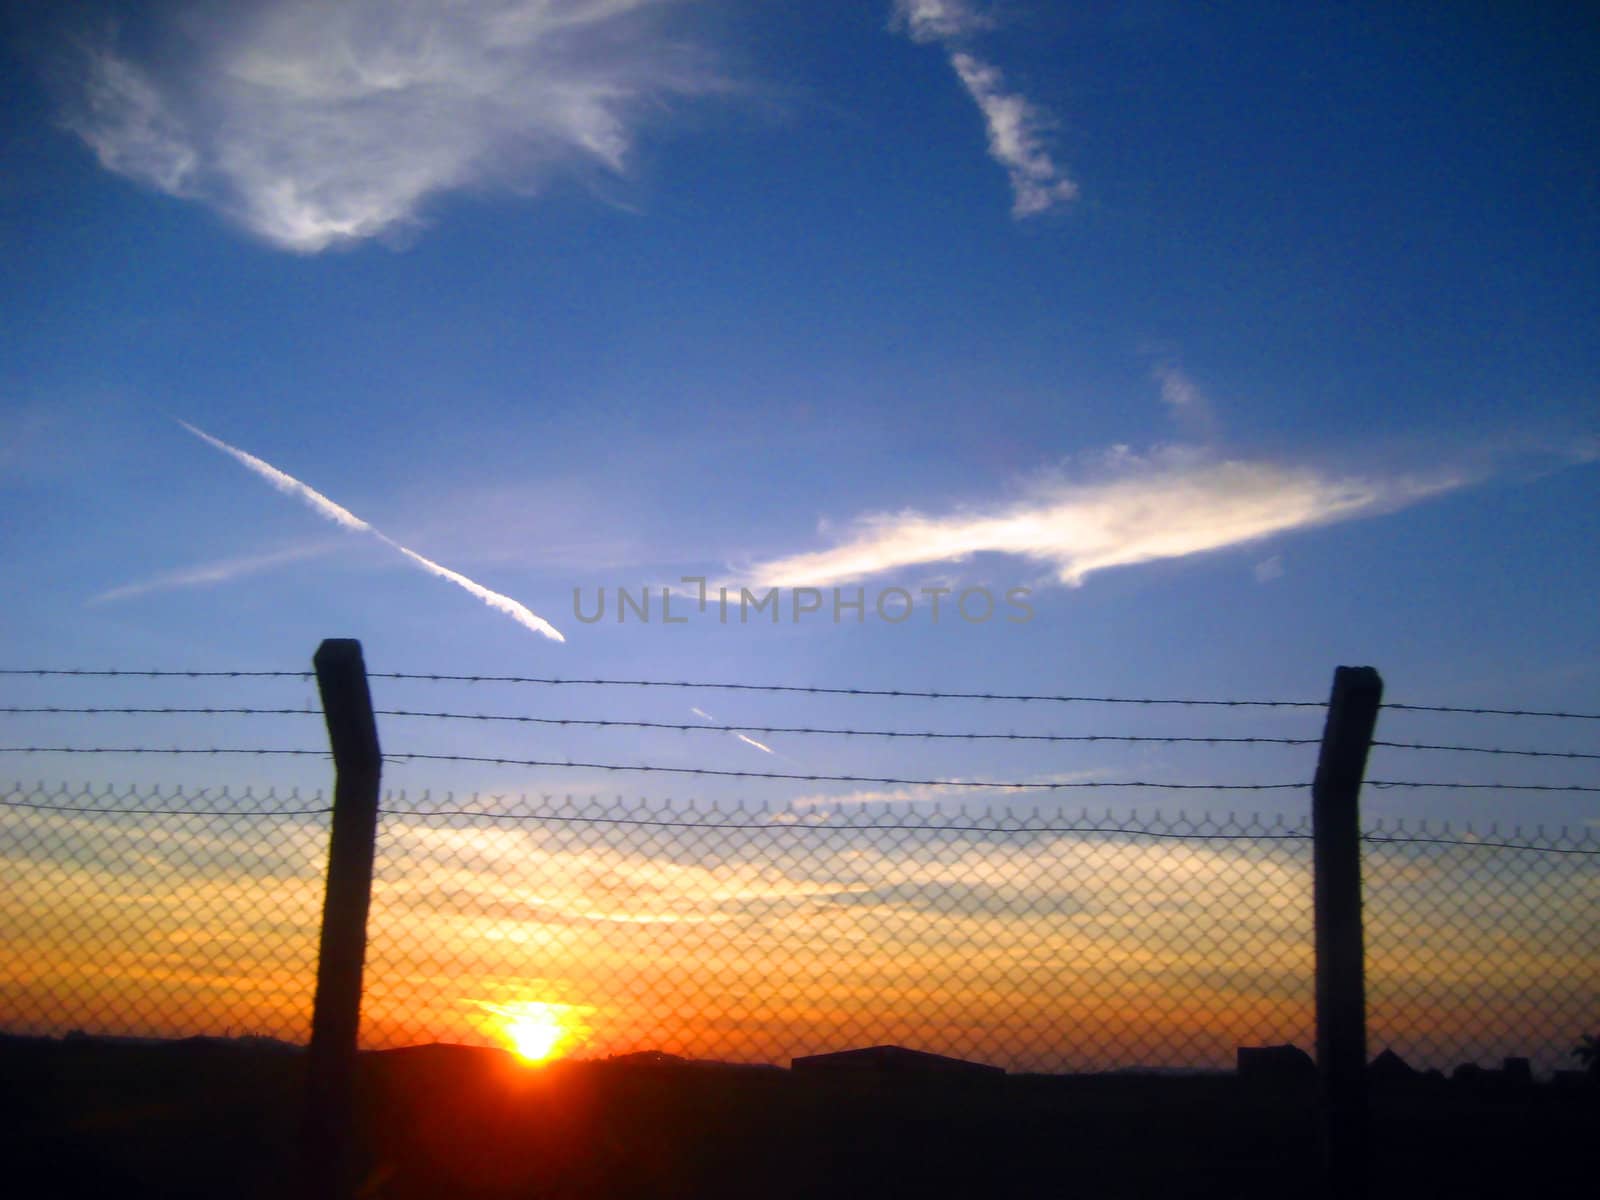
(1517, 1072)
(647, 1058)
(1390, 1068)
(892, 1062)
(1275, 1066)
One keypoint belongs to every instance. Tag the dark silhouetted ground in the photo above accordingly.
(215, 1118)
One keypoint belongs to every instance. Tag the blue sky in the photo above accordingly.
(1251, 342)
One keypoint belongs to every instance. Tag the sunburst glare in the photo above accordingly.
(537, 1030)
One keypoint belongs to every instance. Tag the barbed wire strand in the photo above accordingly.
(830, 731)
(1130, 831)
(166, 812)
(907, 693)
(1019, 785)
(689, 727)
(812, 826)
(155, 674)
(1486, 750)
(1494, 712)
(17, 710)
(1432, 841)
(261, 750)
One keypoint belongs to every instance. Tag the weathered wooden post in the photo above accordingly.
(336, 1011)
(1341, 967)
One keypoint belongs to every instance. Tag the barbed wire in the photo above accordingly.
(690, 727)
(675, 683)
(1121, 830)
(1494, 712)
(812, 690)
(1441, 841)
(906, 693)
(775, 824)
(156, 674)
(166, 812)
(1019, 785)
(891, 827)
(260, 750)
(1503, 787)
(1486, 750)
(831, 731)
(15, 710)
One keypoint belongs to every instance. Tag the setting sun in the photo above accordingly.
(537, 1029)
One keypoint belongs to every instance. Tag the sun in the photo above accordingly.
(537, 1030)
(535, 1035)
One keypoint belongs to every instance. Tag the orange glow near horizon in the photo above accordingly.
(1052, 954)
(538, 1030)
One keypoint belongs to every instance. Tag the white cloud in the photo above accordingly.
(318, 122)
(1167, 505)
(1016, 127)
(957, 789)
(1269, 569)
(1189, 406)
(222, 571)
(1178, 391)
(1016, 140)
(124, 118)
(939, 20)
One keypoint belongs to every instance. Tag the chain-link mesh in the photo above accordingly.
(1029, 943)
(1481, 946)
(161, 913)
(594, 928)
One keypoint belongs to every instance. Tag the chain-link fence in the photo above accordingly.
(753, 936)
(601, 927)
(1481, 946)
(160, 913)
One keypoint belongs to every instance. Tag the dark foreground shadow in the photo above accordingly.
(127, 1121)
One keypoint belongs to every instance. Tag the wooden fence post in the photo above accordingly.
(336, 1011)
(1341, 967)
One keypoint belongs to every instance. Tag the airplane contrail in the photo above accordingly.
(748, 741)
(340, 515)
(286, 483)
(514, 609)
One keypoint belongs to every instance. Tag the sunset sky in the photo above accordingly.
(1194, 350)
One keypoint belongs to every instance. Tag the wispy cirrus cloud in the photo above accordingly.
(319, 122)
(941, 20)
(224, 570)
(1017, 129)
(1170, 504)
(342, 516)
(1189, 405)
